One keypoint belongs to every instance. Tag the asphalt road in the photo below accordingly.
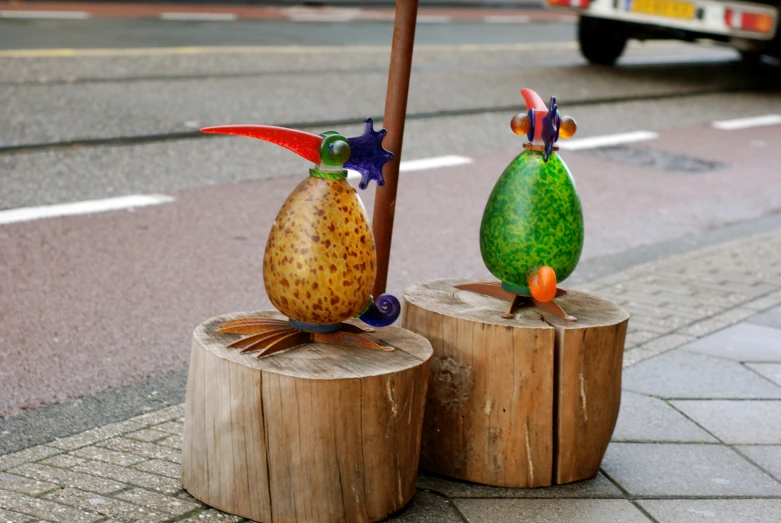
(96, 301)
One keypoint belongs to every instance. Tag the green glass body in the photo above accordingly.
(533, 218)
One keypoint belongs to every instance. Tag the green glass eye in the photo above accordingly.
(335, 150)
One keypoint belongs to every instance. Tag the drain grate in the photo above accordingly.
(655, 159)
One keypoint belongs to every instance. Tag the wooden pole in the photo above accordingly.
(395, 114)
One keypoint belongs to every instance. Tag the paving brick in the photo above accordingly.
(44, 509)
(110, 507)
(714, 510)
(171, 427)
(148, 435)
(762, 304)
(549, 511)
(770, 318)
(668, 342)
(681, 374)
(146, 450)
(14, 517)
(68, 478)
(158, 502)
(211, 516)
(742, 342)
(766, 456)
(98, 434)
(636, 355)
(643, 418)
(427, 508)
(130, 476)
(175, 442)
(123, 459)
(23, 485)
(748, 422)
(638, 337)
(717, 322)
(63, 461)
(163, 468)
(771, 371)
(698, 470)
(162, 415)
(24, 456)
(597, 487)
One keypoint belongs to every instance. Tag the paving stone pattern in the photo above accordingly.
(698, 438)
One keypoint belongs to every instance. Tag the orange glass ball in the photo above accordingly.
(567, 127)
(542, 284)
(521, 124)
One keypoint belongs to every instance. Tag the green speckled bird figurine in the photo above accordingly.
(531, 235)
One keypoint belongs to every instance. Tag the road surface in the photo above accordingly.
(105, 109)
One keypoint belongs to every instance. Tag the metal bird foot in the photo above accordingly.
(268, 336)
(495, 290)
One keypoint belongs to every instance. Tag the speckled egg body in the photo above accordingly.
(533, 218)
(320, 262)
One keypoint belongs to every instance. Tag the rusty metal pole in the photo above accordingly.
(395, 115)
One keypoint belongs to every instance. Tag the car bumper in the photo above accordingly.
(710, 17)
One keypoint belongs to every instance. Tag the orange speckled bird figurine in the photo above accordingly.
(319, 265)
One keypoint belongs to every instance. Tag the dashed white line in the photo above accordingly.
(87, 207)
(199, 17)
(321, 18)
(433, 163)
(46, 15)
(506, 19)
(608, 140)
(746, 123)
(423, 164)
(308, 14)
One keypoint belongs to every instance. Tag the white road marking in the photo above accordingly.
(422, 165)
(88, 207)
(608, 140)
(746, 123)
(433, 163)
(506, 19)
(199, 17)
(321, 18)
(308, 14)
(54, 15)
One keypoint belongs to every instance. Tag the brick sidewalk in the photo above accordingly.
(698, 438)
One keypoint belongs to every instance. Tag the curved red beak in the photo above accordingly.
(306, 145)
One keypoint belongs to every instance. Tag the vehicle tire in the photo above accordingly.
(601, 41)
(751, 57)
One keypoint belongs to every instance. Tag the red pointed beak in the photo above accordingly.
(533, 101)
(306, 145)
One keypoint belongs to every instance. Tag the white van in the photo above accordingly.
(606, 25)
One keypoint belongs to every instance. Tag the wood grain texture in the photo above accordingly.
(504, 402)
(317, 433)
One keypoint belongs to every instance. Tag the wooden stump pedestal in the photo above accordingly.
(524, 402)
(317, 433)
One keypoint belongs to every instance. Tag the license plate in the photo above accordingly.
(667, 8)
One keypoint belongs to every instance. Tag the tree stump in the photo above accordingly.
(524, 402)
(317, 433)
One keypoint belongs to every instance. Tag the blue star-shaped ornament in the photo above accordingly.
(367, 155)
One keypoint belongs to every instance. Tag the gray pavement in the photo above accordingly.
(681, 452)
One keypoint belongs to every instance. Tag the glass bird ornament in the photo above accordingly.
(531, 234)
(320, 262)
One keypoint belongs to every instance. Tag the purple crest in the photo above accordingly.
(367, 155)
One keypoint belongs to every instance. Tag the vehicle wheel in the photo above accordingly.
(601, 41)
(751, 57)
